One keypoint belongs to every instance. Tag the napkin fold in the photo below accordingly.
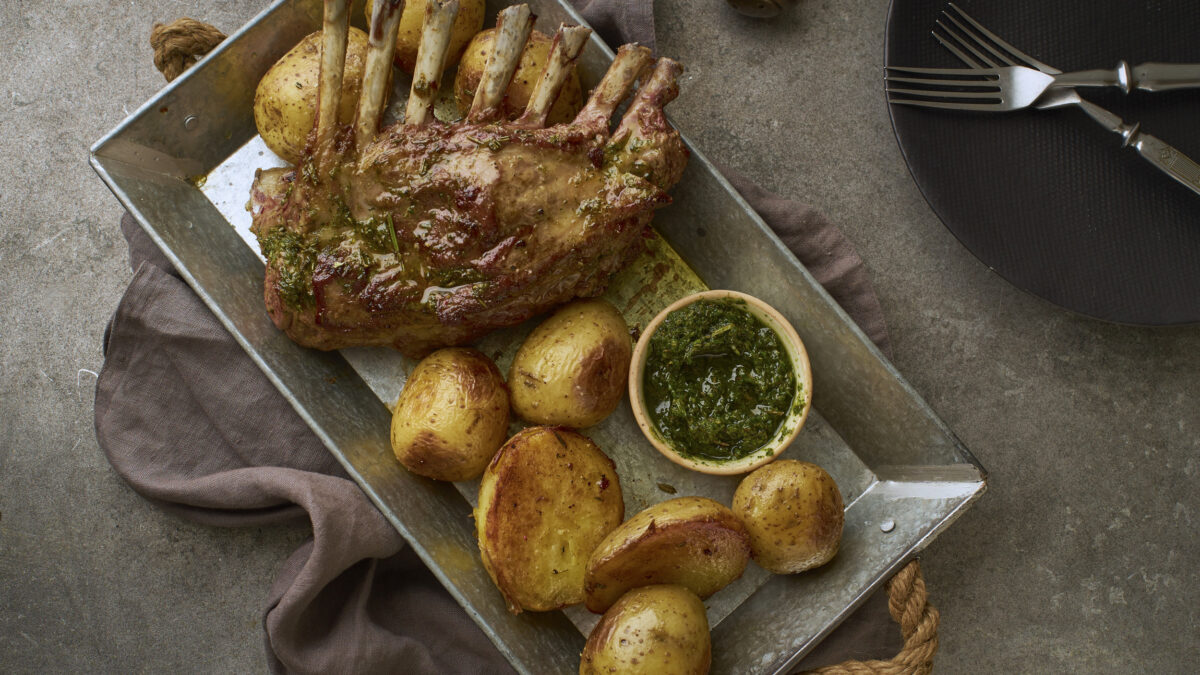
(620, 22)
(190, 423)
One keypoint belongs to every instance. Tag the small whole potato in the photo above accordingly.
(546, 500)
(452, 415)
(571, 370)
(520, 88)
(656, 630)
(467, 23)
(285, 103)
(694, 542)
(793, 511)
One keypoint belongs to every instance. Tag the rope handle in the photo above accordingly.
(908, 602)
(181, 43)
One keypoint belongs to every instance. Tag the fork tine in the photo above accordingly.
(962, 56)
(993, 85)
(1004, 45)
(948, 95)
(977, 73)
(974, 38)
(945, 106)
(972, 43)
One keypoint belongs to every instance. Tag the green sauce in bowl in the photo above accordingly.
(718, 383)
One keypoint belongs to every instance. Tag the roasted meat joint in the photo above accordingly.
(426, 234)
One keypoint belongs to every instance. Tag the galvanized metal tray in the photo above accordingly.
(182, 165)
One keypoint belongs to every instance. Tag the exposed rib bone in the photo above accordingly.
(512, 30)
(568, 43)
(431, 59)
(335, 31)
(385, 18)
(629, 63)
(658, 90)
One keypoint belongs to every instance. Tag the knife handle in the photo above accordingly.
(1171, 161)
(1165, 76)
(1168, 160)
(1145, 76)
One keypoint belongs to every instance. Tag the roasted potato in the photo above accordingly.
(691, 541)
(452, 415)
(546, 500)
(285, 103)
(520, 88)
(467, 23)
(571, 370)
(653, 630)
(794, 514)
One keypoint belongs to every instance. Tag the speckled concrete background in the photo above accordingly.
(1082, 557)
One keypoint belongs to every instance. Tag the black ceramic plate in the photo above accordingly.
(1048, 198)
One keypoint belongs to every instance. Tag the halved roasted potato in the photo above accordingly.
(572, 369)
(452, 415)
(656, 630)
(691, 541)
(545, 502)
(793, 511)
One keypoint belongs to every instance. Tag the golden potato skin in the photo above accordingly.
(571, 370)
(794, 513)
(467, 23)
(545, 502)
(691, 541)
(520, 88)
(655, 630)
(452, 415)
(285, 102)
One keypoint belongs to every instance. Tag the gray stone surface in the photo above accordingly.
(1082, 557)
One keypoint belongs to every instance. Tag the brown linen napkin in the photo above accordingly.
(191, 424)
(620, 22)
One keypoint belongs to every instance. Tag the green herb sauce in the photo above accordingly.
(377, 233)
(294, 255)
(718, 382)
(354, 244)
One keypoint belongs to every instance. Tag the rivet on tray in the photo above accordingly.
(887, 525)
(191, 122)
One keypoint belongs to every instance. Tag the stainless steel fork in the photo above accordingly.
(985, 49)
(1016, 87)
